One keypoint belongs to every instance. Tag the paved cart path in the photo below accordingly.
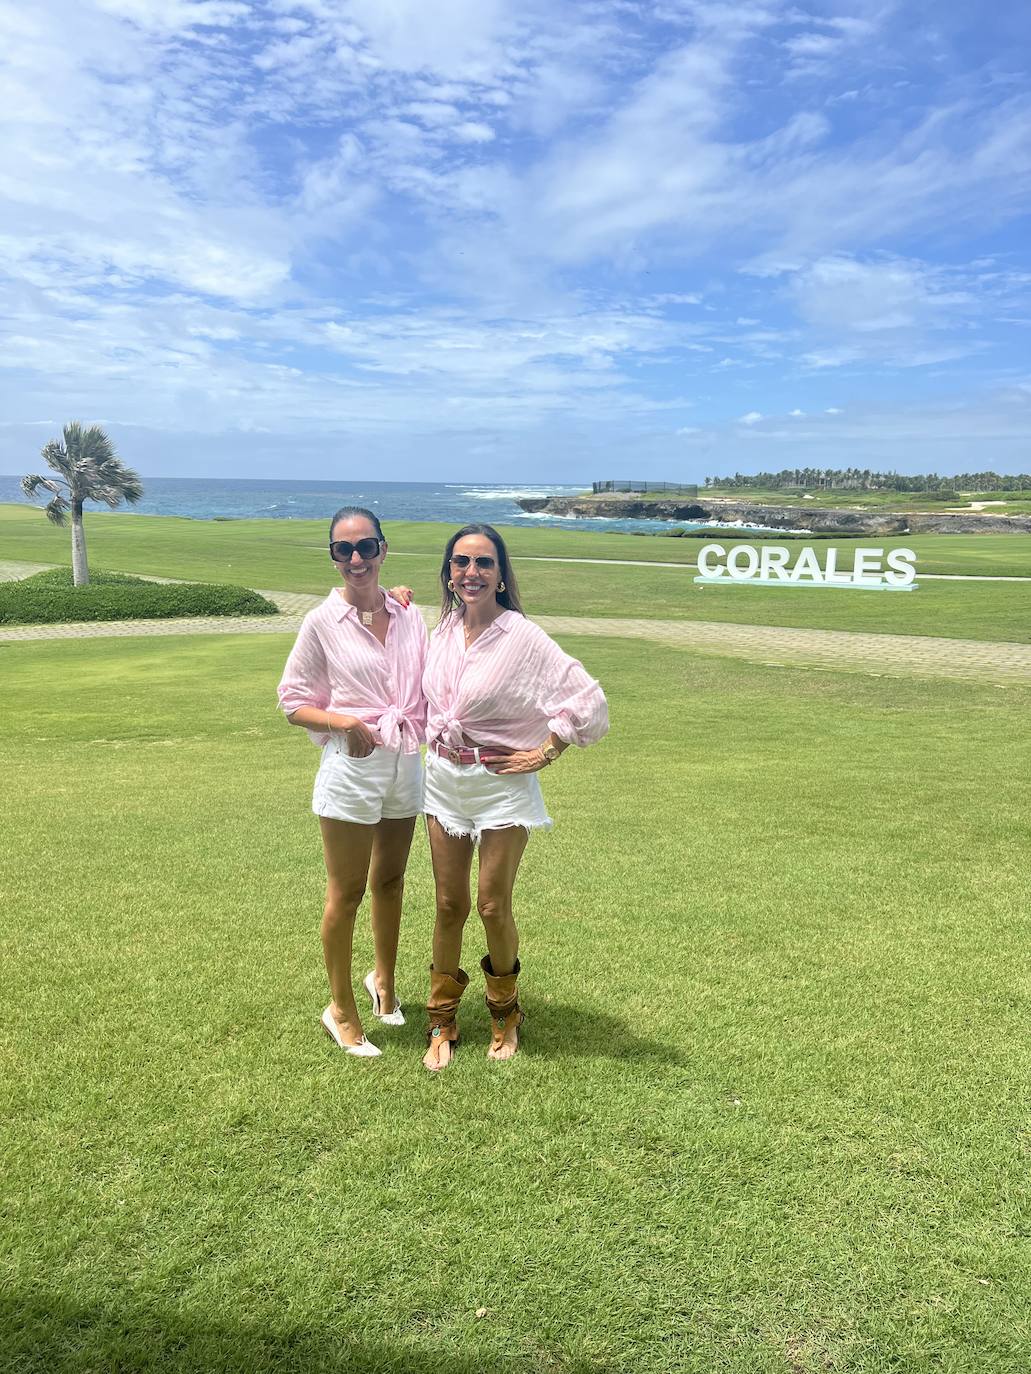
(780, 645)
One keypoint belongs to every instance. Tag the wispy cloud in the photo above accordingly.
(474, 214)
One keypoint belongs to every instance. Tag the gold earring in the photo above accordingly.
(450, 584)
(501, 586)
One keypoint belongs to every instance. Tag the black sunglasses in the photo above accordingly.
(462, 560)
(340, 550)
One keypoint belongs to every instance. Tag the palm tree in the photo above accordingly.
(89, 470)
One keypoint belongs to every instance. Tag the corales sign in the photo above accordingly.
(775, 565)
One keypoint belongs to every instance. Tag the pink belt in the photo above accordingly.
(462, 755)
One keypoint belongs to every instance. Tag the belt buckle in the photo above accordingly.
(455, 755)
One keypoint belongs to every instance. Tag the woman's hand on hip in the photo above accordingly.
(517, 761)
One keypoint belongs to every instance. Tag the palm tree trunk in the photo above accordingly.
(80, 568)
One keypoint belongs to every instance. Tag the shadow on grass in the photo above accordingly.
(52, 1334)
(561, 1030)
(556, 1030)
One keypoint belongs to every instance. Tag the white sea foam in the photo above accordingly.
(743, 525)
(510, 493)
(658, 527)
(578, 519)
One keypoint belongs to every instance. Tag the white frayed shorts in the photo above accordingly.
(385, 785)
(467, 798)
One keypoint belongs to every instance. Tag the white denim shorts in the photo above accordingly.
(467, 798)
(385, 785)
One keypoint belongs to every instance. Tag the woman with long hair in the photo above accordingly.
(503, 702)
(354, 682)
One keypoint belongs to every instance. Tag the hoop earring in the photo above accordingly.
(450, 584)
(501, 586)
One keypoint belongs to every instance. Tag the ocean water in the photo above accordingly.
(452, 503)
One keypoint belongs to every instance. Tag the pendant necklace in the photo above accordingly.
(369, 616)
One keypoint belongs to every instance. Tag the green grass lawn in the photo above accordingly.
(771, 1109)
(294, 550)
(1010, 502)
(290, 556)
(958, 610)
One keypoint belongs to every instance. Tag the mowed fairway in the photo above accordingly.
(290, 555)
(771, 1109)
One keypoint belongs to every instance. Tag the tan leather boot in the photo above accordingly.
(445, 994)
(502, 1002)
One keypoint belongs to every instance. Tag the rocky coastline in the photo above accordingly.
(821, 520)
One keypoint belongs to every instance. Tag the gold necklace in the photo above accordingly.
(369, 616)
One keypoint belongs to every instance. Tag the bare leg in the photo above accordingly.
(500, 854)
(452, 858)
(347, 849)
(390, 849)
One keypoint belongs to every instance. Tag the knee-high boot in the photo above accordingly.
(502, 1000)
(445, 994)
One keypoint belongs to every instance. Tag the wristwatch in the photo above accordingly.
(550, 751)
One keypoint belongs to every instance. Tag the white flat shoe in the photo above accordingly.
(364, 1048)
(391, 1018)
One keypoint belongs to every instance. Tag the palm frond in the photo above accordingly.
(56, 512)
(112, 482)
(73, 439)
(56, 456)
(94, 446)
(112, 490)
(130, 485)
(57, 508)
(90, 468)
(31, 484)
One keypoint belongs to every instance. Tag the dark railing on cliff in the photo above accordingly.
(672, 488)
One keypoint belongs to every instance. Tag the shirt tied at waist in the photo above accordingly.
(391, 727)
(452, 734)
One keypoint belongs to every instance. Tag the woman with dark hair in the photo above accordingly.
(354, 682)
(503, 702)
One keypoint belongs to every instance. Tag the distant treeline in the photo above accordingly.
(865, 480)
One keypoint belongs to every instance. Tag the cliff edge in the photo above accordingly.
(818, 520)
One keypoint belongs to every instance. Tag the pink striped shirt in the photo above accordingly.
(511, 686)
(338, 665)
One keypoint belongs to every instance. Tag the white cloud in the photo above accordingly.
(675, 298)
(309, 209)
(472, 131)
(175, 16)
(876, 296)
(812, 44)
(459, 39)
(885, 311)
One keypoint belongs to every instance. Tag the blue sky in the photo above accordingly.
(490, 241)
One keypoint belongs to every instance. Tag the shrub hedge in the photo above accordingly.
(49, 598)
